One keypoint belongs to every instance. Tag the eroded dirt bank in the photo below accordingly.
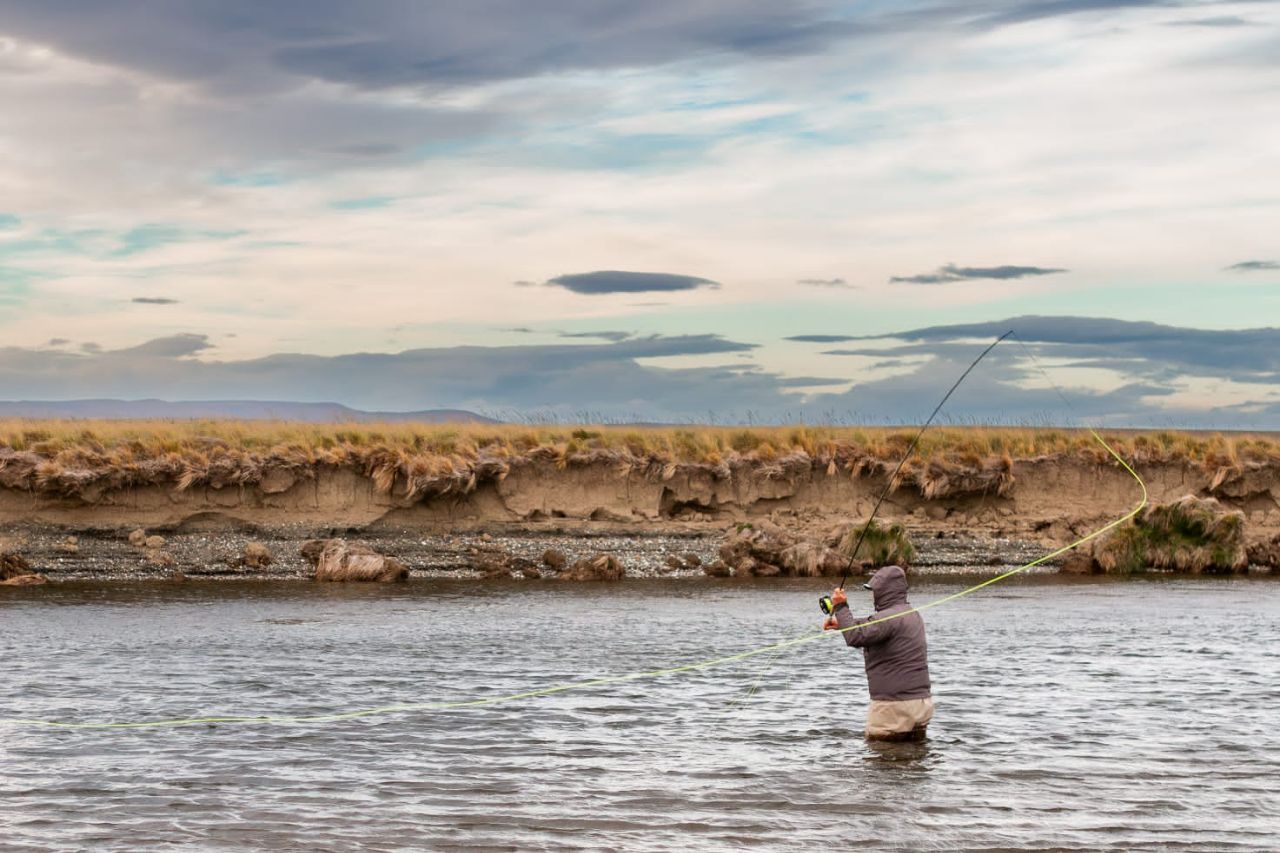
(653, 511)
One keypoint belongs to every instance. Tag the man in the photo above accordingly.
(896, 657)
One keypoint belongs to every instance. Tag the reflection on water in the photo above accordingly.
(890, 752)
(1070, 714)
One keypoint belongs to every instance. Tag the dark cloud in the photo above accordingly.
(824, 282)
(248, 46)
(1149, 349)
(1009, 386)
(821, 339)
(951, 272)
(999, 272)
(57, 342)
(924, 278)
(1254, 266)
(604, 336)
(249, 70)
(618, 281)
(154, 300)
(241, 44)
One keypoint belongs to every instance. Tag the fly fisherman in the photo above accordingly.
(896, 657)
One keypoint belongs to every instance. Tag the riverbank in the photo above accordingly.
(431, 494)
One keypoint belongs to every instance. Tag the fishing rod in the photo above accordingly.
(824, 602)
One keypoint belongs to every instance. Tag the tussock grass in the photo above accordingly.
(881, 546)
(74, 456)
(1190, 534)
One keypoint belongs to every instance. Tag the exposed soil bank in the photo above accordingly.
(655, 509)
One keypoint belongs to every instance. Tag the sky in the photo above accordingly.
(727, 211)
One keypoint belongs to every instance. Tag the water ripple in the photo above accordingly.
(1072, 716)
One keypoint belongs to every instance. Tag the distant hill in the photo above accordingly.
(241, 409)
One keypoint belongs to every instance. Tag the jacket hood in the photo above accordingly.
(889, 587)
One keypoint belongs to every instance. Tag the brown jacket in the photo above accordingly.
(895, 651)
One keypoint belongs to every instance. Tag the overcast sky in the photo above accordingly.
(722, 210)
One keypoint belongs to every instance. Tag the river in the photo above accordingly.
(1071, 713)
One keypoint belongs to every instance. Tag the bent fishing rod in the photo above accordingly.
(824, 602)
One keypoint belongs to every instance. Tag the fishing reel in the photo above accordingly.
(826, 605)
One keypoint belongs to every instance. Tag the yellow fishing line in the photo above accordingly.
(604, 680)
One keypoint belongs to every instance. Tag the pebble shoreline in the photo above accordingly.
(103, 555)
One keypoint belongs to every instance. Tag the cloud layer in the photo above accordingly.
(238, 44)
(1161, 376)
(356, 182)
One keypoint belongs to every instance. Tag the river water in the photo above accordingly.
(1072, 714)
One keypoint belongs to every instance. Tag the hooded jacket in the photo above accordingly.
(895, 651)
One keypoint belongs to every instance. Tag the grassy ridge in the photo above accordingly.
(66, 455)
(695, 444)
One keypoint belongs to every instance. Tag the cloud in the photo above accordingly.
(174, 346)
(821, 339)
(951, 272)
(238, 45)
(1154, 365)
(562, 378)
(1020, 13)
(1163, 376)
(811, 381)
(153, 300)
(618, 281)
(824, 282)
(1215, 22)
(604, 336)
(58, 342)
(1254, 266)
(1146, 349)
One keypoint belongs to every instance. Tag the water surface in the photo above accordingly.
(1072, 714)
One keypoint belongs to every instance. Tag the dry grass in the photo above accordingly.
(1190, 534)
(74, 456)
(880, 546)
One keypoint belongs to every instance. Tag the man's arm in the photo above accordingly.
(868, 631)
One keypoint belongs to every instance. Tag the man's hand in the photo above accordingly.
(838, 597)
(831, 624)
